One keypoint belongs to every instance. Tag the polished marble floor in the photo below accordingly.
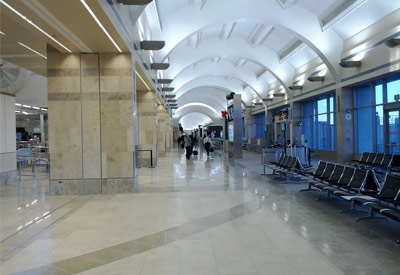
(197, 216)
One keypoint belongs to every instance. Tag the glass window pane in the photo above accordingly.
(307, 130)
(393, 132)
(331, 104)
(378, 94)
(393, 88)
(322, 106)
(380, 147)
(362, 96)
(364, 130)
(322, 132)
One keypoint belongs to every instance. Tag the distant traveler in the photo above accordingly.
(188, 146)
(207, 144)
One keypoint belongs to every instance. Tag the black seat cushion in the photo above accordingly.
(391, 213)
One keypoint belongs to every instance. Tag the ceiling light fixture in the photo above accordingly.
(142, 80)
(100, 25)
(34, 25)
(36, 52)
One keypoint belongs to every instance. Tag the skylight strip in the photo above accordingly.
(34, 25)
(36, 52)
(100, 25)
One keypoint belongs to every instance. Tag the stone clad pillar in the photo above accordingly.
(295, 116)
(162, 130)
(91, 123)
(344, 130)
(8, 166)
(147, 126)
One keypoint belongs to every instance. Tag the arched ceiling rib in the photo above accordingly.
(327, 45)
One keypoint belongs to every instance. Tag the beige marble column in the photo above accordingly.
(162, 130)
(117, 128)
(91, 123)
(8, 168)
(147, 126)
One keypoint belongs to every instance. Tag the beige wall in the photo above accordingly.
(7, 140)
(147, 126)
(90, 123)
(162, 130)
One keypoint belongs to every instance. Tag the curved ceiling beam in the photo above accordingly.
(231, 83)
(216, 118)
(228, 70)
(207, 93)
(216, 101)
(192, 120)
(299, 22)
(183, 57)
(260, 85)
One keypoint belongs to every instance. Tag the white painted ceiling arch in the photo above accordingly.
(192, 120)
(197, 107)
(205, 95)
(301, 23)
(214, 48)
(223, 69)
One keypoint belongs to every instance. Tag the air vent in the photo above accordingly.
(316, 78)
(350, 64)
(394, 42)
(295, 87)
(159, 66)
(267, 99)
(170, 96)
(164, 81)
(167, 89)
(152, 45)
(134, 2)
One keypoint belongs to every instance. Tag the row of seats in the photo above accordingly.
(357, 185)
(379, 162)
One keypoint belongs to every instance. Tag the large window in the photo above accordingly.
(319, 123)
(369, 115)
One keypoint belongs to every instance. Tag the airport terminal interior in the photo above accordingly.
(200, 137)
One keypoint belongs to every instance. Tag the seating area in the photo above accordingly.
(356, 183)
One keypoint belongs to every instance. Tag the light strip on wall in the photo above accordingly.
(2, 33)
(36, 52)
(142, 80)
(34, 25)
(100, 25)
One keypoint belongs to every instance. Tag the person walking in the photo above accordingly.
(188, 146)
(207, 144)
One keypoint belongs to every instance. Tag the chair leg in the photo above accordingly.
(308, 189)
(327, 197)
(352, 209)
(371, 217)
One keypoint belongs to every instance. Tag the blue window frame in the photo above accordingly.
(369, 101)
(319, 122)
(260, 122)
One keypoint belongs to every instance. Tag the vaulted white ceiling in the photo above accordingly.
(219, 46)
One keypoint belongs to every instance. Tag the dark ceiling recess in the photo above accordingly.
(268, 99)
(295, 87)
(164, 81)
(170, 96)
(279, 95)
(169, 89)
(257, 103)
(350, 64)
(152, 45)
(159, 66)
(391, 43)
(316, 78)
(134, 2)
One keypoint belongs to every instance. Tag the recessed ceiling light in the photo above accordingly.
(34, 25)
(36, 52)
(100, 25)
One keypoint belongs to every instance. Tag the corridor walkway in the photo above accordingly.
(198, 216)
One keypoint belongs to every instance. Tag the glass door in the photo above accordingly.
(394, 130)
